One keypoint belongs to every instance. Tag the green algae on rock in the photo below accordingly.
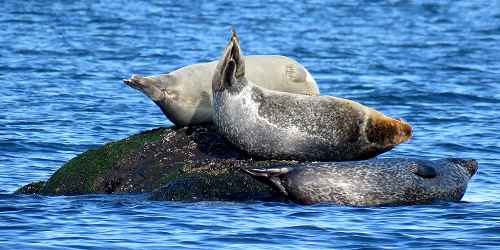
(181, 163)
(217, 180)
(85, 173)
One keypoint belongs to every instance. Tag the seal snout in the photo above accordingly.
(136, 82)
(405, 131)
(471, 165)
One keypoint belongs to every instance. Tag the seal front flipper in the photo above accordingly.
(423, 171)
(270, 176)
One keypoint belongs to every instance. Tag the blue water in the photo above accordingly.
(434, 63)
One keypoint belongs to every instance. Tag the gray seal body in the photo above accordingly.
(372, 182)
(278, 125)
(185, 95)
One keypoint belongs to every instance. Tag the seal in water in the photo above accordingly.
(277, 125)
(185, 95)
(372, 182)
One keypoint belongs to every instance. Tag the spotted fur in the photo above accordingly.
(277, 125)
(373, 182)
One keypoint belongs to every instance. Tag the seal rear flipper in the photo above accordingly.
(231, 66)
(269, 176)
(423, 171)
(238, 56)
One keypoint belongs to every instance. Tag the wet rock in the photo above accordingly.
(217, 180)
(32, 188)
(178, 163)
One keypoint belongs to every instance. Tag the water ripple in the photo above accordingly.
(435, 63)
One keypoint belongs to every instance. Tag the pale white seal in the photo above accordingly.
(185, 95)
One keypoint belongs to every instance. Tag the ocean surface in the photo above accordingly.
(434, 63)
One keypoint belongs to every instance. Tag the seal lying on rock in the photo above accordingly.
(279, 125)
(185, 95)
(372, 182)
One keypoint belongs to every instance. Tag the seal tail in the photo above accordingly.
(270, 176)
(231, 66)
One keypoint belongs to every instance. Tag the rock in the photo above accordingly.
(216, 180)
(32, 188)
(195, 164)
(182, 163)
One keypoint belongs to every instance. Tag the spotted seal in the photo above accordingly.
(185, 95)
(277, 125)
(373, 182)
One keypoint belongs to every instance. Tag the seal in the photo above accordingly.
(185, 95)
(278, 125)
(373, 182)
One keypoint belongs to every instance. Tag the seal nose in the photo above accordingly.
(470, 165)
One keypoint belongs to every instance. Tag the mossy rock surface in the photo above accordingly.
(218, 180)
(183, 164)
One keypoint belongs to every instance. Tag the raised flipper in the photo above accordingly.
(231, 66)
(423, 171)
(270, 176)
